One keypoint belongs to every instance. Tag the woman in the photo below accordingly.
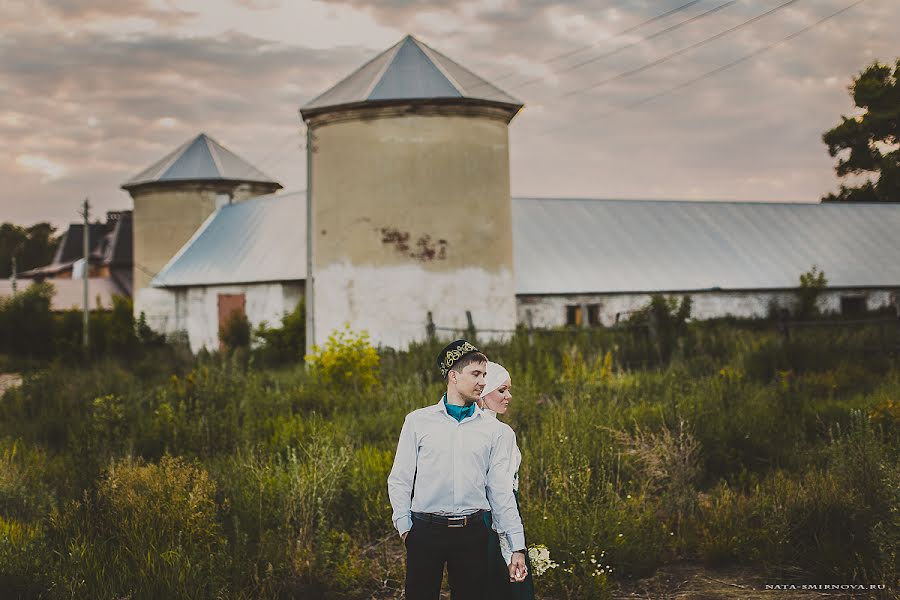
(495, 400)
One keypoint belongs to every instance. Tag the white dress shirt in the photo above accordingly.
(515, 461)
(447, 467)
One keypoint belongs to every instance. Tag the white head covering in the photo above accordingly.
(496, 376)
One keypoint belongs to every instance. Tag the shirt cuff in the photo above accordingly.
(404, 524)
(516, 540)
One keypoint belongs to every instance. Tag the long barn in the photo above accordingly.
(578, 262)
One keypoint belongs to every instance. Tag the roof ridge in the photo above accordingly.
(427, 51)
(354, 72)
(387, 63)
(213, 153)
(180, 154)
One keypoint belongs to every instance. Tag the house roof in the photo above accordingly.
(257, 240)
(565, 246)
(409, 70)
(109, 243)
(199, 159)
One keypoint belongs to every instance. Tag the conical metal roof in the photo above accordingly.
(200, 159)
(409, 70)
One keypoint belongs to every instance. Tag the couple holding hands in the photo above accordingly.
(454, 487)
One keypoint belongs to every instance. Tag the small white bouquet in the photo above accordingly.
(539, 555)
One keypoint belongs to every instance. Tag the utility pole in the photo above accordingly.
(310, 264)
(85, 323)
(13, 278)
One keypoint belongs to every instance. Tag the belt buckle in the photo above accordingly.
(462, 521)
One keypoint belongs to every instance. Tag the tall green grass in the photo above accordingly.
(217, 479)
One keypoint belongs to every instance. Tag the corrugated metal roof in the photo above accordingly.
(570, 246)
(409, 70)
(261, 239)
(565, 246)
(199, 159)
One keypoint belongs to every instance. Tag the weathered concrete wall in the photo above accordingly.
(166, 216)
(550, 311)
(411, 213)
(394, 306)
(158, 306)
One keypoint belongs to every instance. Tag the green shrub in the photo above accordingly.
(666, 319)
(26, 323)
(149, 531)
(24, 493)
(235, 331)
(812, 284)
(285, 344)
(23, 570)
(279, 506)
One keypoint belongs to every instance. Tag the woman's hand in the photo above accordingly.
(517, 568)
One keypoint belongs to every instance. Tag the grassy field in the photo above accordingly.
(727, 445)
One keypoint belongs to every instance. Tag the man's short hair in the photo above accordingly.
(468, 359)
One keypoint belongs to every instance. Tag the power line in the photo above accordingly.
(672, 55)
(626, 31)
(267, 157)
(569, 53)
(633, 44)
(717, 70)
(742, 59)
(285, 155)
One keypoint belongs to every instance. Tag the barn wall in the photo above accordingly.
(197, 308)
(159, 307)
(550, 311)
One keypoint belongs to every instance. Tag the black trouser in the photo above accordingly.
(462, 549)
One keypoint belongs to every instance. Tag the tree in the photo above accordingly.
(812, 284)
(32, 247)
(235, 331)
(872, 138)
(667, 320)
(285, 344)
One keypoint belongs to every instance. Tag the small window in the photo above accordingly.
(853, 305)
(574, 317)
(593, 311)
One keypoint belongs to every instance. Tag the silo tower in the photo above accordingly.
(173, 198)
(409, 199)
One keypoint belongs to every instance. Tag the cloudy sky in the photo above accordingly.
(94, 91)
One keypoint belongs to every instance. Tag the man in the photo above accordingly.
(451, 467)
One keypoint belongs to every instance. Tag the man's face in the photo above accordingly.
(471, 381)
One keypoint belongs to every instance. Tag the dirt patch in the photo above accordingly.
(690, 581)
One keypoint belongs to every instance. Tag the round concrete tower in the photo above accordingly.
(174, 197)
(409, 199)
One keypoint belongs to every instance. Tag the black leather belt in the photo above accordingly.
(449, 520)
